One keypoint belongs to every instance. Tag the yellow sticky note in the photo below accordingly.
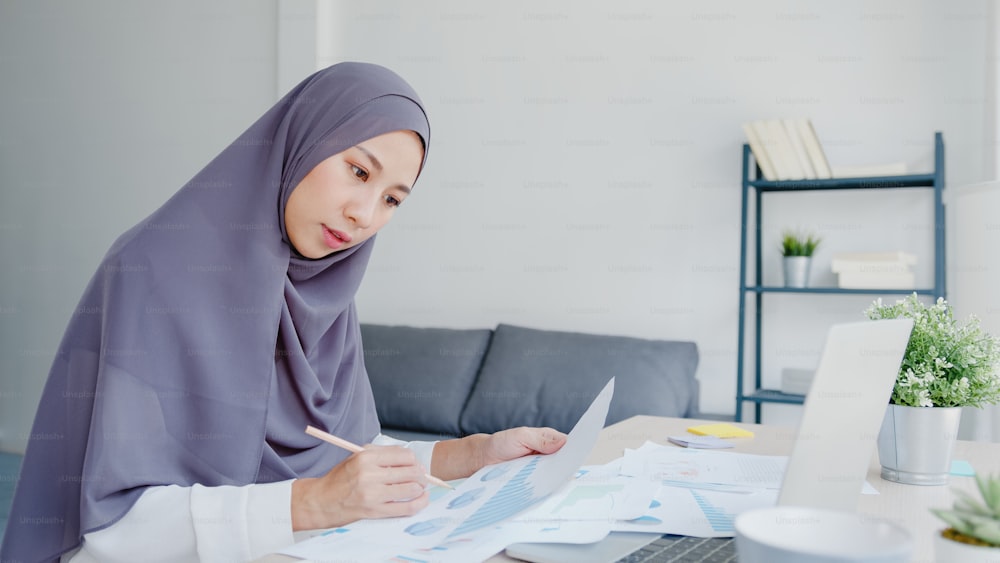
(722, 430)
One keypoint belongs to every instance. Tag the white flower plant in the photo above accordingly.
(946, 364)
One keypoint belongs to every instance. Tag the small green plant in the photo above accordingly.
(946, 364)
(971, 521)
(795, 244)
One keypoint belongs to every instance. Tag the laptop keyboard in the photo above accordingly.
(684, 549)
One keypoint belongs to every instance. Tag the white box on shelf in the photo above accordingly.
(872, 261)
(796, 381)
(871, 267)
(876, 280)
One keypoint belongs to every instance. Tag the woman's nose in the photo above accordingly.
(360, 210)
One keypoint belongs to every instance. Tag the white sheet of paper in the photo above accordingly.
(482, 544)
(692, 512)
(709, 470)
(688, 440)
(599, 492)
(669, 463)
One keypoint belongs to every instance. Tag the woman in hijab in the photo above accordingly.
(171, 427)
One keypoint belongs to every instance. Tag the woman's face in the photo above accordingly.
(348, 197)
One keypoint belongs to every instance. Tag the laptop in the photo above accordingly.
(840, 421)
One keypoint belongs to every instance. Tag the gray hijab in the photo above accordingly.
(205, 343)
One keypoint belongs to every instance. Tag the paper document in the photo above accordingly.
(689, 440)
(684, 465)
(695, 512)
(599, 492)
(484, 501)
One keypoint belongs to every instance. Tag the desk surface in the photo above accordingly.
(905, 505)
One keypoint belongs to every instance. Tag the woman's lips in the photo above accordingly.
(335, 239)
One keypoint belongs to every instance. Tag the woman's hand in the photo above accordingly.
(519, 442)
(454, 459)
(380, 482)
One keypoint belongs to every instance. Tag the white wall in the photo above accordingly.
(108, 108)
(584, 172)
(585, 162)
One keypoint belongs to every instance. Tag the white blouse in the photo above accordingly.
(171, 523)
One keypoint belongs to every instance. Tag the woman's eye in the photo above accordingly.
(392, 201)
(359, 172)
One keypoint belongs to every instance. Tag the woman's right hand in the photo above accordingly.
(379, 482)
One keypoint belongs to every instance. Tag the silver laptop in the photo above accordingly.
(826, 469)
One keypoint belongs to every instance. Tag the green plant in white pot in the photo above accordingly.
(974, 532)
(947, 365)
(796, 251)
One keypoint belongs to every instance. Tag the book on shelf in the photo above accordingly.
(870, 267)
(788, 166)
(759, 154)
(814, 149)
(874, 270)
(872, 262)
(796, 381)
(876, 280)
(789, 149)
(786, 149)
(798, 146)
(769, 143)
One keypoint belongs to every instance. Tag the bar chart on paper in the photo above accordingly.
(717, 517)
(513, 497)
(696, 512)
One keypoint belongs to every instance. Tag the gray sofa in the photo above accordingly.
(435, 383)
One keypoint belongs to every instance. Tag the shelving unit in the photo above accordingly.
(755, 187)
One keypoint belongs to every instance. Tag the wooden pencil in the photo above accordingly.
(352, 447)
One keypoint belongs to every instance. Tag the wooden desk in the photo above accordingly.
(905, 505)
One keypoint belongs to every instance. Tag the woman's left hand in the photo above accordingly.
(454, 459)
(519, 442)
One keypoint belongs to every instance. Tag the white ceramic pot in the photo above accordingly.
(796, 270)
(948, 551)
(915, 444)
(797, 534)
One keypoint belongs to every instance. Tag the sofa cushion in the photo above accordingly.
(536, 377)
(421, 377)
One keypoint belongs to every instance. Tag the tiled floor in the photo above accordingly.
(9, 465)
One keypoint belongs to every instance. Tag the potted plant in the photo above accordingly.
(974, 532)
(797, 250)
(947, 365)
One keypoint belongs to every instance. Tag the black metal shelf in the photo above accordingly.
(866, 183)
(774, 396)
(753, 188)
(839, 290)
